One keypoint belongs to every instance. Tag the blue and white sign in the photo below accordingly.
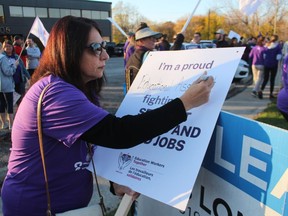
(244, 173)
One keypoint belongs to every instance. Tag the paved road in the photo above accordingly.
(113, 93)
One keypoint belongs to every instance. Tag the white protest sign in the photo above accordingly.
(166, 167)
(233, 34)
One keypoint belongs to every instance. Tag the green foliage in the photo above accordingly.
(272, 116)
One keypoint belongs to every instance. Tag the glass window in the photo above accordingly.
(54, 12)
(86, 13)
(1, 14)
(15, 11)
(104, 14)
(42, 12)
(96, 15)
(29, 12)
(76, 13)
(64, 12)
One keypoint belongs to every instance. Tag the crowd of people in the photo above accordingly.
(72, 66)
(18, 63)
(263, 54)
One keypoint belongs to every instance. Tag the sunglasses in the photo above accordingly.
(97, 48)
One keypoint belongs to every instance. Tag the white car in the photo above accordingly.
(242, 69)
(207, 44)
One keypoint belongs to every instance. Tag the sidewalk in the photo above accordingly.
(244, 104)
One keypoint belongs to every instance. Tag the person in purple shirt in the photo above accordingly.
(272, 56)
(282, 98)
(73, 65)
(129, 47)
(257, 56)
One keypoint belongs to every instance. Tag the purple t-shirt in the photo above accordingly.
(270, 55)
(282, 98)
(66, 115)
(128, 50)
(257, 55)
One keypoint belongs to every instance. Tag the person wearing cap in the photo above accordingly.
(145, 41)
(220, 39)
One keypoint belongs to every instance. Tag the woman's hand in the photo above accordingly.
(120, 190)
(198, 93)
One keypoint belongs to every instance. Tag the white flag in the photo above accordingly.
(39, 31)
(248, 7)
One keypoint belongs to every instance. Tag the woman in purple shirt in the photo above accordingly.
(74, 65)
(272, 55)
(282, 98)
(257, 55)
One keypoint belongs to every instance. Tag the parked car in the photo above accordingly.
(118, 50)
(242, 70)
(186, 46)
(207, 44)
(203, 45)
(110, 48)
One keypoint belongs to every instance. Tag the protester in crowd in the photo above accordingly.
(272, 56)
(145, 41)
(129, 47)
(282, 98)
(178, 41)
(285, 49)
(196, 38)
(21, 75)
(19, 47)
(7, 69)
(257, 55)
(246, 52)
(74, 66)
(33, 56)
(234, 42)
(242, 41)
(220, 39)
(163, 43)
(251, 42)
(281, 62)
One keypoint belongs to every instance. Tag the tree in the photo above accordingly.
(165, 28)
(127, 17)
(270, 17)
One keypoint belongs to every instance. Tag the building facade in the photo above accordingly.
(17, 16)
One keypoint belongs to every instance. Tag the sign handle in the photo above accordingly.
(124, 206)
(189, 19)
(117, 26)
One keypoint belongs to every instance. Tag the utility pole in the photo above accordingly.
(275, 17)
(209, 24)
